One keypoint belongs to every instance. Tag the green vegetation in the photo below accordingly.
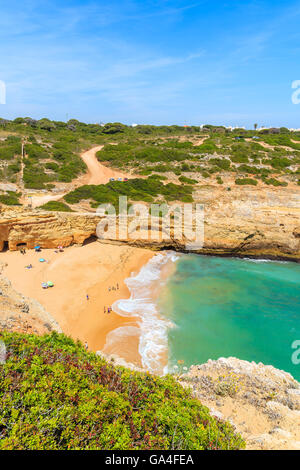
(221, 163)
(136, 153)
(184, 179)
(245, 181)
(274, 182)
(56, 206)
(56, 395)
(252, 170)
(280, 163)
(53, 151)
(10, 147)
(44, 164)
(10, 153)
(146, 190)
(281, 139)
(10, 198)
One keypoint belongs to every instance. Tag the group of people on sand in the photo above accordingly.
(23, 251)
(113, 288)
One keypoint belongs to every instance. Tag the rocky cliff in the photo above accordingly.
(263, 403)
(49, 229)
(22, 314)
(240, 222)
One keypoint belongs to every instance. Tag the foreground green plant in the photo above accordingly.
(56, 395)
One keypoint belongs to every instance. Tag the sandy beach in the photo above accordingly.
(92, 270)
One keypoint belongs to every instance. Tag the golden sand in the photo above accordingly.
(92, 270)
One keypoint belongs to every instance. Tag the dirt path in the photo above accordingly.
(96, 174)
(40, 199)
(271, 147)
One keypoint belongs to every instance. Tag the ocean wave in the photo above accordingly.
(153, 340)
(254, 260)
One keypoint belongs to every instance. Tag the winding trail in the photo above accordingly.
(97, 174)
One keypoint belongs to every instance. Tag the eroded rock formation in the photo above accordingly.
(254, 222)
(262, 402)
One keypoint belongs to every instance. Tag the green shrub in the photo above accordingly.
(222, 163)
(10, 198)
(184, 179)
(208, 147)
(52, 166)
(244, 181)
(56, 206)
(56, 395)
(252, 170)
(239, 158)
(275, 182)
(135, 189)
(14, 168)
(9, 149)
(280, 163)
(34, 177)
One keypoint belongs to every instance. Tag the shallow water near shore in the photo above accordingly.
(152, 331)
(222, 307)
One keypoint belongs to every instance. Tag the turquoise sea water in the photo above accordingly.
(225, 307)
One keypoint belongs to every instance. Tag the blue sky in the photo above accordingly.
(162, 62)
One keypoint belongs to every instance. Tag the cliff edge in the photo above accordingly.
(263, 403)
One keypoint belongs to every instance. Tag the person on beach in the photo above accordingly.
(109, 289)
(104, 309)
(117, 286)
(87, 297)
(86, 345)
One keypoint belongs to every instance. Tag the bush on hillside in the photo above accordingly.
(10, 198)
(246, 181)
(56, 206)
(275, 182)
(185, 179)
(135, 189)
(56, 395)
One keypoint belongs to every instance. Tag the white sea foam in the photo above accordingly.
(153, 333)
(254, 260)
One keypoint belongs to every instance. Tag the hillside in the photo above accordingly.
(178, 160)
(56, 395)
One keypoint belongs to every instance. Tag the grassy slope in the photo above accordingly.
(56, 395)
(53, 148)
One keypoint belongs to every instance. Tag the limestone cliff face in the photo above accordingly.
(48, 229)
(258, 222)
(262, 402)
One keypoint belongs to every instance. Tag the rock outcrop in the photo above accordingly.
(22, 314)
(241, 222)
(49, 229)
(263, 403)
